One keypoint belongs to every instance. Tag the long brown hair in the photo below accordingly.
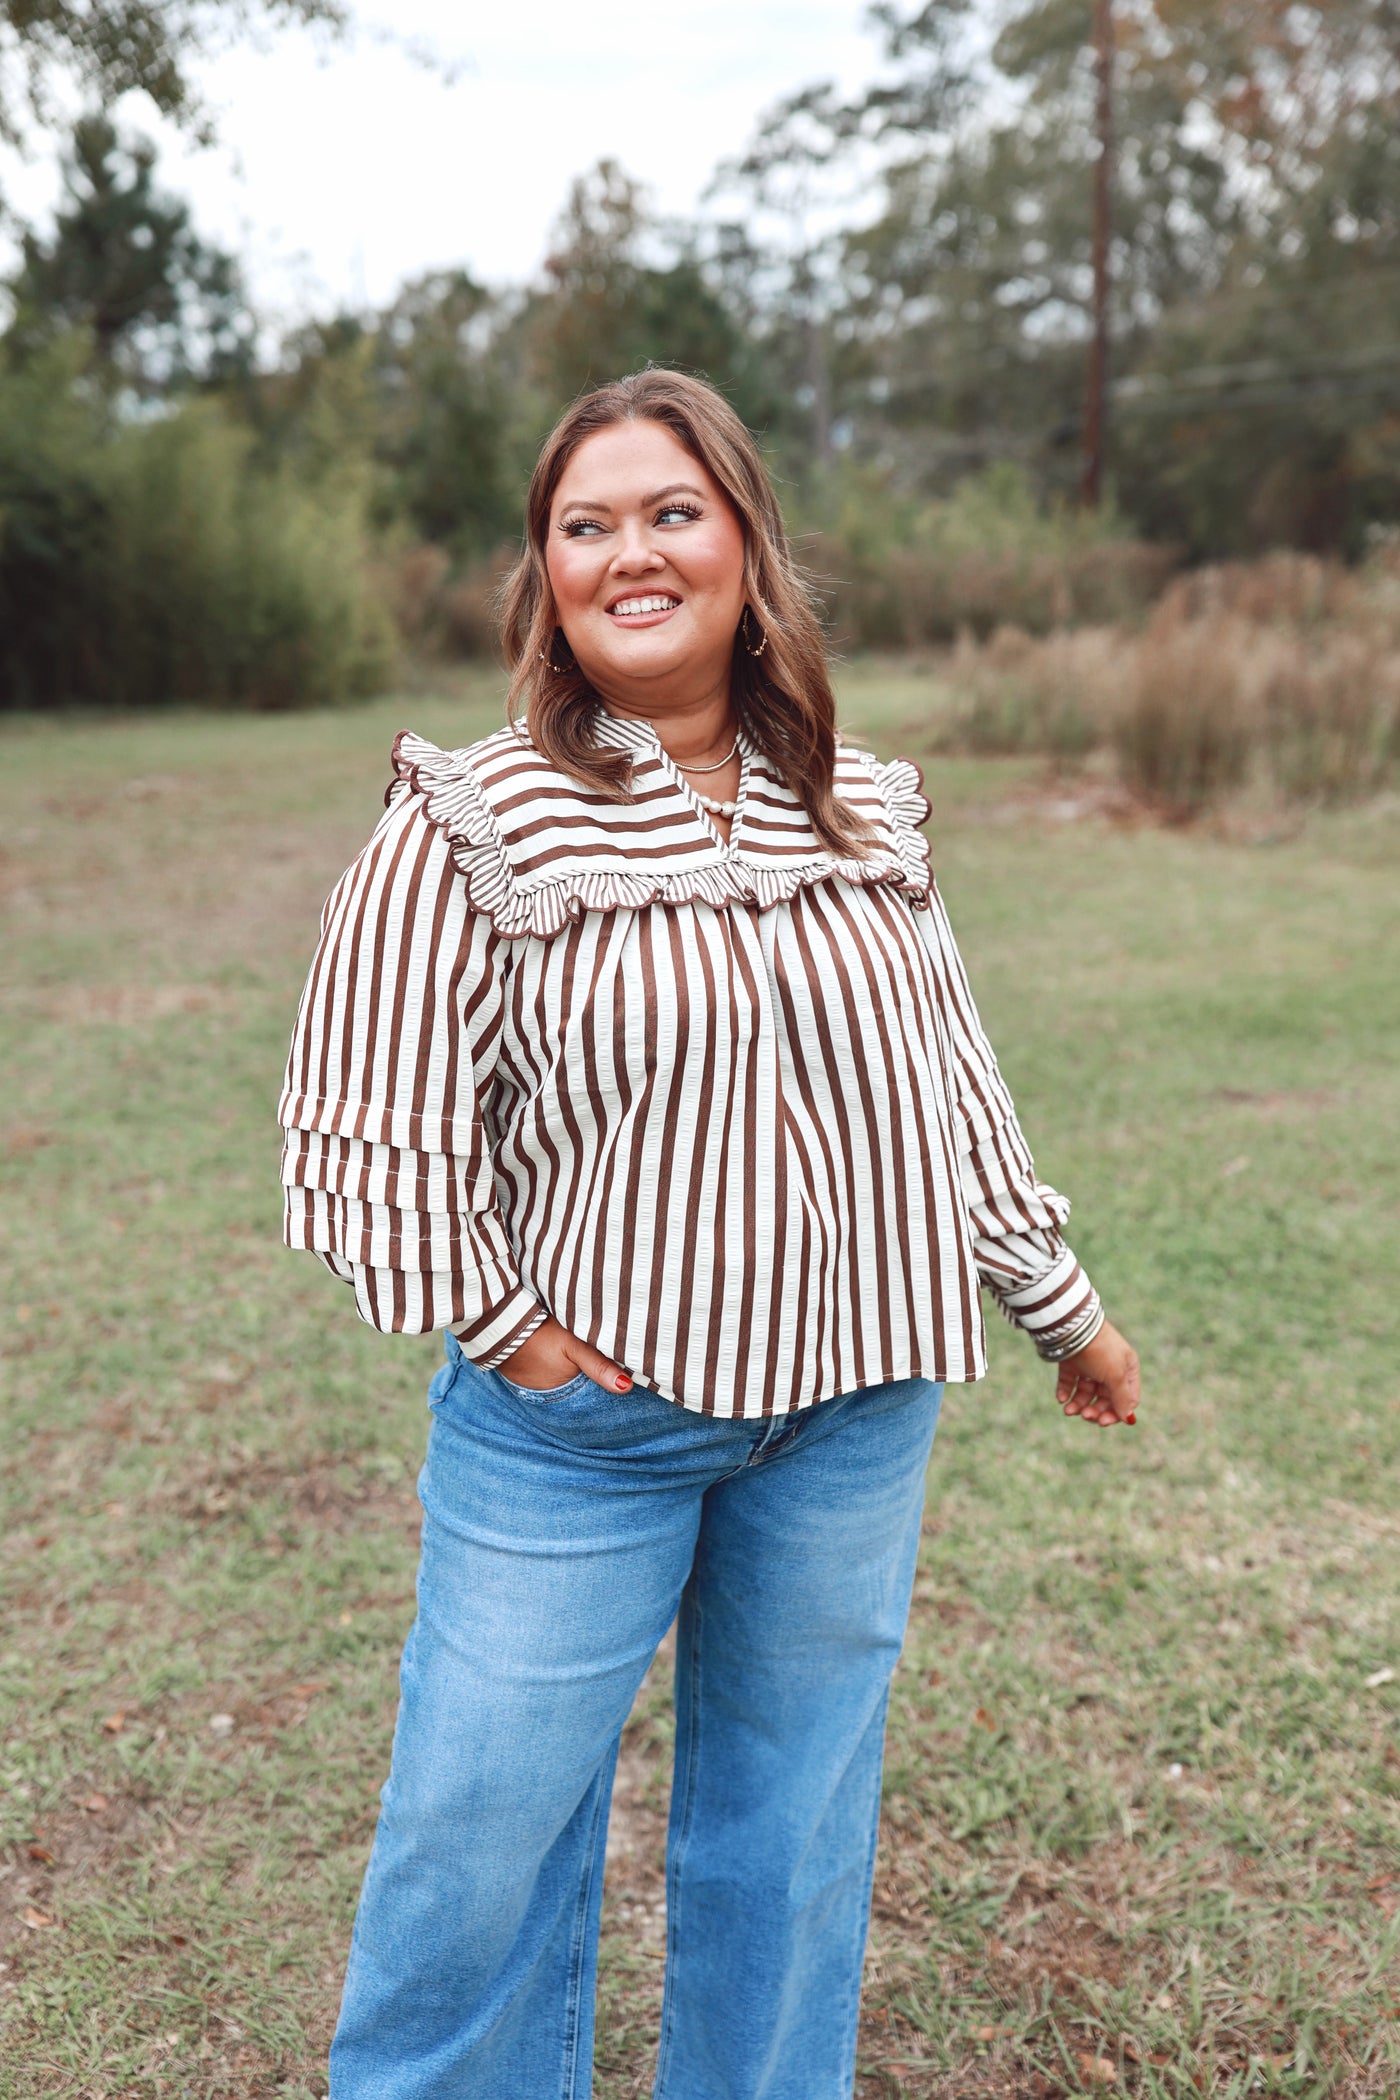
(783, 697)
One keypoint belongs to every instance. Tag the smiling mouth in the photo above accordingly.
(645, 606)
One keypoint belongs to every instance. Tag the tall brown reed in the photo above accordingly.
(1282, 677)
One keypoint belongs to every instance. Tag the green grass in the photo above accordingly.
(1142, 1802)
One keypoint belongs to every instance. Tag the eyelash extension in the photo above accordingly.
(573, 526)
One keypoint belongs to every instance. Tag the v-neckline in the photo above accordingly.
(726, 845)
(652, 739)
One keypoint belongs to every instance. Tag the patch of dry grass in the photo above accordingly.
(1280, 678)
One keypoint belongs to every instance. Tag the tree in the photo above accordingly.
(979, 268)
(623, 291)
(124, 263)
(449, 415)
(791, 280)
(428, 394)
(1264, 411)
(114, 47)
(1255, 253)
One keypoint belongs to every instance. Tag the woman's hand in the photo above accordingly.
(552, 1356)
(1102, 1383)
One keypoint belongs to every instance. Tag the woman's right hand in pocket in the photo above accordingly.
(552, 1357)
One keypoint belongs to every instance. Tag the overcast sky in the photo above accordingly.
(340, 172)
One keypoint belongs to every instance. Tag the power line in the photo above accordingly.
(1259, 383)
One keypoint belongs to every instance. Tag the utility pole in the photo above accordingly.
(819, 379)
(1096, 402)
(806, 286)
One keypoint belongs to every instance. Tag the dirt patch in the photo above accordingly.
(142, 787)
(23, 1138)
(1047, 1942)
(635, 1879)
(61, 1851)
(1057, 800)
(1278, 1106)
(332, 1492)
(153, 787)
(16, 876)
(130, 1005)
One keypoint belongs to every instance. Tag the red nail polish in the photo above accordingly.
(1131, 1421)
(624, 1384)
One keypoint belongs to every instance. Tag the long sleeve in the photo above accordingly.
(386, 1169)
(1021, 1254)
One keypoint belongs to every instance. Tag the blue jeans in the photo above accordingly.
(562, 1534)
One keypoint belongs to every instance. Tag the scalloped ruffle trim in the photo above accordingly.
(454, 801)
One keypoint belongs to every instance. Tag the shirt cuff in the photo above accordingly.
(1060, 1309)
(499, 1332)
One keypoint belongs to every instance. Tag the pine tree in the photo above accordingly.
(124, 263)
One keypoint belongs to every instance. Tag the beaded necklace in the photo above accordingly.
(718, 809)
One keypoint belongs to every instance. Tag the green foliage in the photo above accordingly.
(999, 512)
(448, 432)
(153, 547)
(117, 47)
(425, 398)
(124, 262)
(900, 573)
(1256, 247)
(54, 525)
(915, 366)
(606, 309)
(160, 560)
(231, 583)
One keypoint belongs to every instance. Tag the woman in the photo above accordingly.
(638, 1056)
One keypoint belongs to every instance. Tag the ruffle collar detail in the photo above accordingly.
(537, 850)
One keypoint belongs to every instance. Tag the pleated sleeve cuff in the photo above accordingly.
(490, 1324)
(404, 1228)
(1056, 1306)
(493, 1339)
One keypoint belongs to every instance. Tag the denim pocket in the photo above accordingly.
(547, 1392)
(446, 1374)
(441, 1384)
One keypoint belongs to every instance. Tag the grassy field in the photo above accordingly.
(1144, 1780)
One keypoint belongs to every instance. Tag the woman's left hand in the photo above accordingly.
(1102, 1383)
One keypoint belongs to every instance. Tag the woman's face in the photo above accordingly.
(646, 562)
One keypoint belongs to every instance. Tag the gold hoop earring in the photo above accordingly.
(744, 631)
(548, 659)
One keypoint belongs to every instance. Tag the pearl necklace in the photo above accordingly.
(718, 809)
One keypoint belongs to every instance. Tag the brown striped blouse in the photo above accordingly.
(725, 1109)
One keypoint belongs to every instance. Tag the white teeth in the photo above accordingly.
(645, 605)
